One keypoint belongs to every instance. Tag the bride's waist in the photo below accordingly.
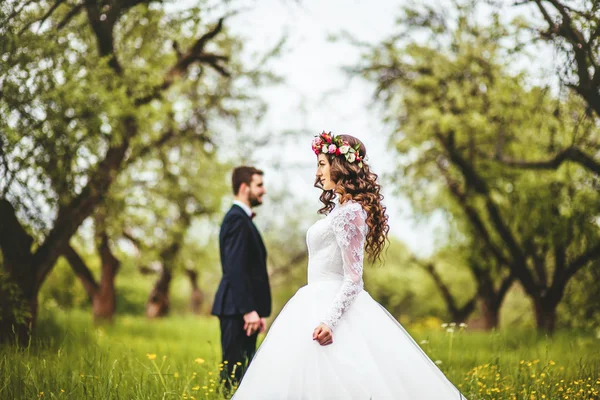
(326, 276)
(322, 287)
(332, 281)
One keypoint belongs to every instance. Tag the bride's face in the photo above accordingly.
(323, 172)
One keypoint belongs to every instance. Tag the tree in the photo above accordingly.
(192, 191)
(575, 33)
(85, 87)
(453, 102)
(492, 284)
(197, 297)
(457, 313)
(182, 183)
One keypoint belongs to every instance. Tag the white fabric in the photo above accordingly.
(244, 206)
(372, 357)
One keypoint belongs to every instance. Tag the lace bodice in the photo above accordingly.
(336, 252)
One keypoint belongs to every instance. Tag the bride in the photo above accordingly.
(332, 340)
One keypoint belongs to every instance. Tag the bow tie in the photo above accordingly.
(252, 215)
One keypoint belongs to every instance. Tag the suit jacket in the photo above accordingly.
(244, 286)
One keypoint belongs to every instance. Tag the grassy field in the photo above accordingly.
(178, 358)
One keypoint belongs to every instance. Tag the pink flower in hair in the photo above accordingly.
(332, 148)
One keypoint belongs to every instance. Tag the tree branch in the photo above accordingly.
(102, 24)
(73, 214)
(70, 15)
(457, 313)
(82, 271)
(194, 54)
(193, 275)
(538, 261)
(518, 265)
(44, 17)
(473, 216)
(18, 10)
(136, 242)
(560, 264)
(504, 286)
(574, 266)
(444, 290)
(583, 55)
(570, 154)
(145, 150)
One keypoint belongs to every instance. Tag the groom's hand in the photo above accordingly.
(251, 322)
(323, 335)
(263, 325)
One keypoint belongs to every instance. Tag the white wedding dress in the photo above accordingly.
(371, 358)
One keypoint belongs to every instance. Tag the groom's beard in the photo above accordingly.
(254, 201)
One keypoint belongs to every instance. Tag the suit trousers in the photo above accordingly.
(236, 347)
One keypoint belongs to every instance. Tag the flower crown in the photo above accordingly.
(326, 143)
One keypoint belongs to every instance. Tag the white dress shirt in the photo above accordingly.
(245, 207)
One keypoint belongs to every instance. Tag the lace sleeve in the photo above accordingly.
(350, 230)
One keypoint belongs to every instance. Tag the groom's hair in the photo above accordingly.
(243, 174)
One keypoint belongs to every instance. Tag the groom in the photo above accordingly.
(243, 299)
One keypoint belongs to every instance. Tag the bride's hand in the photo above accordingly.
(323, 335)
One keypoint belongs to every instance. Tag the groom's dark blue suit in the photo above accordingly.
(244, 287)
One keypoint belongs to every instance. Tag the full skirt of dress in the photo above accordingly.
(372, 357)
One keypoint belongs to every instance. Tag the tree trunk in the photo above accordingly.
(457, 314)
(19, 264)
(82, 272)
(197, 298)
(158, 301)
(490, 311)
(14, 329)
(104, 301)
(545, 314)
(103, 296)
(460, 315)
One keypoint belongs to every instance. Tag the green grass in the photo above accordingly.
(73, 359)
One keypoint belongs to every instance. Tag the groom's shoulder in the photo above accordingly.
(234, 214)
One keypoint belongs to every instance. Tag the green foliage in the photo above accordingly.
(66, 105)
(118, 104)
(581, 308)
(177, 200)
(459, 111)
(63, 290)
(406, 290)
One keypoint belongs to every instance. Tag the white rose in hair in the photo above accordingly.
(351, 157)
(324, 149)
(344, 149)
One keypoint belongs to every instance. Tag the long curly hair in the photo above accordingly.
(359, 184)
